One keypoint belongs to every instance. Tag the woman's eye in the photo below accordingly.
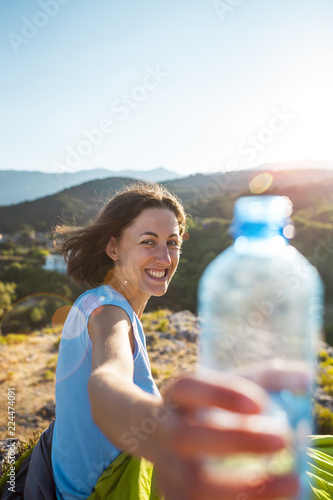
(172, 243)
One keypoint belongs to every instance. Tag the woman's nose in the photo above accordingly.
(163, 255)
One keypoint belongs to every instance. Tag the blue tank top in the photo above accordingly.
(80, 451)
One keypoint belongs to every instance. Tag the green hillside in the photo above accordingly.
(79, 203)
(204, 196)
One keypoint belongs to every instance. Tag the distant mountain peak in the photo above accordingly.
(296, 165)
(17, 186)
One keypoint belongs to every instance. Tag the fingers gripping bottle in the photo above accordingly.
(260, 303)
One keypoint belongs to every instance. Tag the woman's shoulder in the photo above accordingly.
(102, 295)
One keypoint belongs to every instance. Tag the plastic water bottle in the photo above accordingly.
(260, 303)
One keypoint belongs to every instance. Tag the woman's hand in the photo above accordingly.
(183, 436)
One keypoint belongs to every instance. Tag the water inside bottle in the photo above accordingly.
(287, 411)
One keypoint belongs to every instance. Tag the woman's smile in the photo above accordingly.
(156, 274)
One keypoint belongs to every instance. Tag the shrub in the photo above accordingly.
(324, 419)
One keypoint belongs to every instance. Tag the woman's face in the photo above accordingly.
(146, 256)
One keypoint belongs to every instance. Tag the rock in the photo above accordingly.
(168, 350)
(323, 398)
(325, 347)
(9, 449)
(186, 325)
(180, 344)
(31, 358)
(47, 412)
(150, 339)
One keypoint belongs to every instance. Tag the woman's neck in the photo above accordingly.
(137, 299)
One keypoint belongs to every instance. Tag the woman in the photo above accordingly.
(106, 400)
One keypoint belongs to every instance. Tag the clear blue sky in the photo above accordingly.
(238, 81)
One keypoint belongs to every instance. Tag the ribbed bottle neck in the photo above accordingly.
(257, 230)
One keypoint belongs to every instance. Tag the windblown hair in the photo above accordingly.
(84, 250)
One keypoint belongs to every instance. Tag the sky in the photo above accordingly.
(190, 85)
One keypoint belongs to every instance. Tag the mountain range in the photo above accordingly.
(203, 196)
(17, 186)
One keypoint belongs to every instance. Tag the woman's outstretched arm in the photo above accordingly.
(171, 433)
(118, 406)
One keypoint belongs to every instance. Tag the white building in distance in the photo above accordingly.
(55, 262)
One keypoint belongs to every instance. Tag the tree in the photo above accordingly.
(7, 296)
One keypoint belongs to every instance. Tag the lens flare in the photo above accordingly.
(260, 183)
(60, 315)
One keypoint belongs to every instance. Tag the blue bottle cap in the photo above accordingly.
(260, 215)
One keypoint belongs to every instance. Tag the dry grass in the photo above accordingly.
(24, 362)
(28, 364)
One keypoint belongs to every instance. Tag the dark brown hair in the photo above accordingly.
(84, 250)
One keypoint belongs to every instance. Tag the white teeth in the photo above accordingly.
(156, 274)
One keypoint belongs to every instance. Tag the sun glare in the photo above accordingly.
(260, 183)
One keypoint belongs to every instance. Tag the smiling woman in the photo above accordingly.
(144, 266)
(111, 423)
